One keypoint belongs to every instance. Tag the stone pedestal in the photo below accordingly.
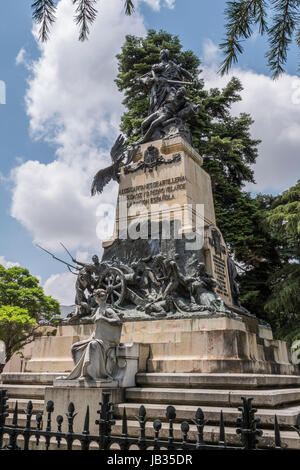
(211, 345)
(128, 355)
(81, 396)
(84, 391)
(166, 186)
(207, 344)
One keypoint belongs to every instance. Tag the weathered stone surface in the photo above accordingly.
(286, 417)
(25, 391)
(216, 344)
(212, 433)
(37, 404)
(229, 381)
(228, 398)
(80, 397)
(34, 378)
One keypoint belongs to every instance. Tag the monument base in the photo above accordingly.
(217, 344)
(85, 383)
(81, 396)
(207, 344)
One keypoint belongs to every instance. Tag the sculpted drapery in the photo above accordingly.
(96, 357)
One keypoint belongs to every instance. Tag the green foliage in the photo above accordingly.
(43, 13)
(281, 33)
(22, 304)
(85, 15)
(16, 328)
(284, 217)
(260, 258)
(283, 221)
(19, 288)
(242, 15)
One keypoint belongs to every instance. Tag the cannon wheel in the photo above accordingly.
(113, 281)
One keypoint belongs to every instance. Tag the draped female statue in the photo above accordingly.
(96, 357)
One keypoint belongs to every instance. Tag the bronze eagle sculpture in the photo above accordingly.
(119, 154)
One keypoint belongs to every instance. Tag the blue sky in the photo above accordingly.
(28, 161)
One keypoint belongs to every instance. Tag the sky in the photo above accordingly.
(62, 114)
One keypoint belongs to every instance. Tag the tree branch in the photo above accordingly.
(241, 15)
(85, 15)
(44, 14)
(129, 7)
(281, 33)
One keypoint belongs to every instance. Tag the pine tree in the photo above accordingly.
(283, 221)
(43, 13)
(283, 27)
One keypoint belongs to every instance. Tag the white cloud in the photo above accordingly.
(22, 59)
(156, 4)
(275, 107)
(72, 100)
(82, 256)
(61, 287)
(7, 264)
(211, 52)
(170, 3)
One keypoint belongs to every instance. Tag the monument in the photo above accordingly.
(162, 305)
(166, 270)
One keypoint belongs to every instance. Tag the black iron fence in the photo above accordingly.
(247, 429)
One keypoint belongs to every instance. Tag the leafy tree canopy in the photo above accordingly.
(283, 221)
(271, 288)
(22, 304)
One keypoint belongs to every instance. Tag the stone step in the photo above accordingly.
(25, 391)
(200, 397)
(21, 420)
(53, 445)
(24, 378)
(38, 405)
(286, 417)
(227, 381)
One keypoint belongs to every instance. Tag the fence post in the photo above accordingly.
(70, 416)
(26, 434)
(171, 416)
(13, 432)
(85, 443)
(248, 423)
(105, 421)
(199, 421)
(3, 413)
(124, 443)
